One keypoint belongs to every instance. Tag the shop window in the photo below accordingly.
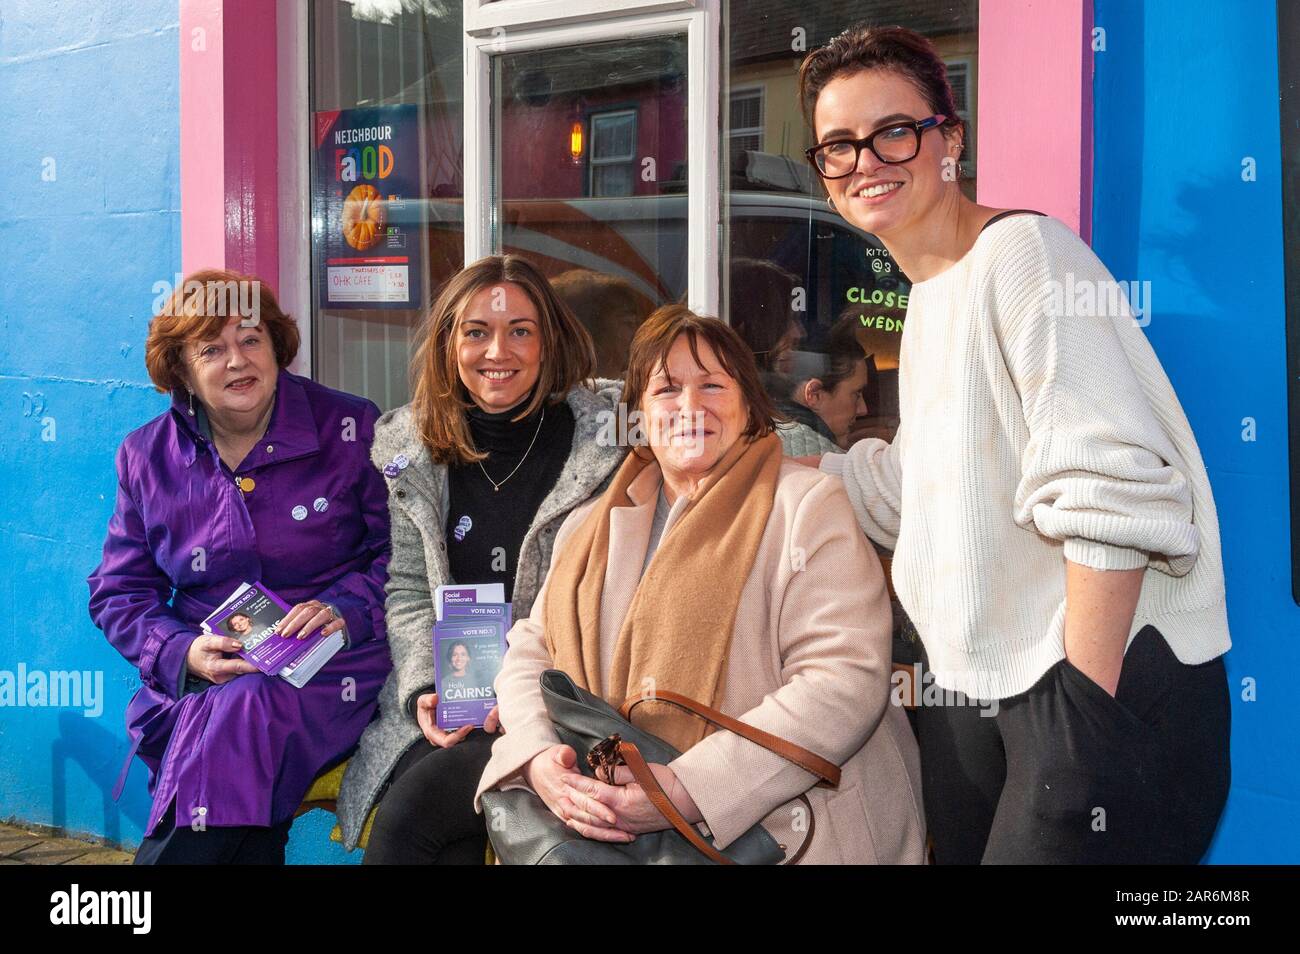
(816, 297)
(583, 167)
(385, 91)
(587, 177)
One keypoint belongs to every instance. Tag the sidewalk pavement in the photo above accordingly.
(29, 845)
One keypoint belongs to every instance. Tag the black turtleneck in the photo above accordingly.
(487, 550)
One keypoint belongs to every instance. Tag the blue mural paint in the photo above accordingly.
(92, 216)
(1185, 91)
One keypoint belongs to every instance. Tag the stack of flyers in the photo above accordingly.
(469, 645)
(252, 614)
(454, 595)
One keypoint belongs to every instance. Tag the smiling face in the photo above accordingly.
(694, 411)
(459, 659)
(883, 198)
(499, 346)
(233, 374)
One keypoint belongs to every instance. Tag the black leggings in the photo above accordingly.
(427, 815)
(171, 844)
(1064, 773)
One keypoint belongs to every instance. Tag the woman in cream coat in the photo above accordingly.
(807, 658)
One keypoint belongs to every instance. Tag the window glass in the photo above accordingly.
(821, 302)
(589, 177)
(382, 66)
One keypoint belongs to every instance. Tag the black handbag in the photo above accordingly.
(524, 831)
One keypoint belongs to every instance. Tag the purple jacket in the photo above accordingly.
(183, 535)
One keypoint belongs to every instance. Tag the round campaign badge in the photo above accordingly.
(300, 512)
(321, 504)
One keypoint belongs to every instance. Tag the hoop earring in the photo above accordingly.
(191, 402)
(831, 203)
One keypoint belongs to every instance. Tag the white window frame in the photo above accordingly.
(541, 24)
(592, 162)
(483, 18)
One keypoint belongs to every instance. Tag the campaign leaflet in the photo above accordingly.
(499, 611)
(467, 657)
(466, 594)
(252, 614)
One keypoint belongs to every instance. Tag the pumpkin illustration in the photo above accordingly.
(364, 217)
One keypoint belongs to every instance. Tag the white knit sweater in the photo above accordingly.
(1032, 434)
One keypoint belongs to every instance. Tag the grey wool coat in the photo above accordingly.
(417, 506)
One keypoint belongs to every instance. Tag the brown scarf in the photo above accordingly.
(677, 631)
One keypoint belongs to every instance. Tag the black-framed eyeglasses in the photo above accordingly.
(897, 142)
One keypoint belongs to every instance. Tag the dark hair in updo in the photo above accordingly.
(861, 47)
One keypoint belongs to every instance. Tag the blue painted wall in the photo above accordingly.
(89, 220)
(1185, 91)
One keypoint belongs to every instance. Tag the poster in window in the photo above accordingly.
(366, 194)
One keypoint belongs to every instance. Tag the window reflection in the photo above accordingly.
(590, 180)
(821, 302)
(378, 53)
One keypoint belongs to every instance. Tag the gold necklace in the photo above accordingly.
(495, 485)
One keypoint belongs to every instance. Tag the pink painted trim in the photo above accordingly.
(202, 146)
(1085, 124)
(1035, 108)
(252, 140)
(229, 137)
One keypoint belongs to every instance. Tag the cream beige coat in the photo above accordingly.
(809, 661)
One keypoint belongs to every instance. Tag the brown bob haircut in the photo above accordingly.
(862, 47)
(198, 311)
(656, 337)
(439, 397)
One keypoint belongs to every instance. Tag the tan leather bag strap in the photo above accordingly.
(810, 762)
(641, 771)
(827, 772)
(659, 798)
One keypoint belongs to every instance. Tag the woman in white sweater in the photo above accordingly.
(1055, 538)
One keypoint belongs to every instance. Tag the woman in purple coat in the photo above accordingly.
(254, 474)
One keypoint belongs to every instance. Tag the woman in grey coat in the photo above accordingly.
(503, 437)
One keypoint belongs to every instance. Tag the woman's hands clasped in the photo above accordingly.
(426, 714)
(615, 813)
